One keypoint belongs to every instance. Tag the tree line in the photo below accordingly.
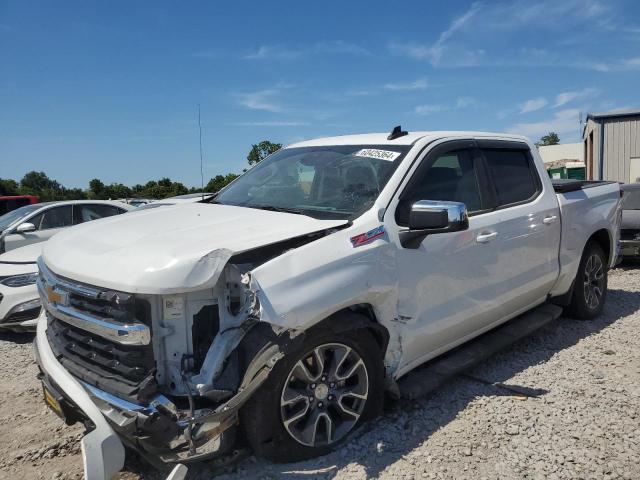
(48, 189)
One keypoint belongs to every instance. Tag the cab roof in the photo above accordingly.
(409, 139)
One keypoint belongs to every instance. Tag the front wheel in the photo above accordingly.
(315, 397)
(590, 287)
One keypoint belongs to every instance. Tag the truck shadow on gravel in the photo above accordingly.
(18, 338)
(406, 424)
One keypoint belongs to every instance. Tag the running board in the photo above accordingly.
(435, 373)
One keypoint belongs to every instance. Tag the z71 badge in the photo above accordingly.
(367, 237)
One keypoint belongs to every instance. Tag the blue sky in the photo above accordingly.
(110, 89)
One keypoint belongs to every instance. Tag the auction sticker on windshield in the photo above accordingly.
(379, 154)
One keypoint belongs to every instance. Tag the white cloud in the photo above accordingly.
(420, 84)
(274, 123)
(434, 53)
(466, 40)
(282, 52)
(566, 97)
(533, 105)
(460, 103)
(358, 92)
(563, 121)
(622, 65)
(262, 100)
(429, 109)
(465, 102)
(632, 63)
(272, 52)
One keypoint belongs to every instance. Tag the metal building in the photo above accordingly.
(612, 146)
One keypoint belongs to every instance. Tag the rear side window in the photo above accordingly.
(87, 212)
(513, 175)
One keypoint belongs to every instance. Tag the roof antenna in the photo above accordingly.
(397, 132)
(201, 172)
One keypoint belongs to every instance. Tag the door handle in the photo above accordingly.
(486, 237)
(549, 219)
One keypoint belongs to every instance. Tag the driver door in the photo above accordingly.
(447, 284)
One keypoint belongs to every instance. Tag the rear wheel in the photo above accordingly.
(315, 397)
(590, 287)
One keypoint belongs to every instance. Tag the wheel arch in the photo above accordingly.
(356, 317)
(603, 238)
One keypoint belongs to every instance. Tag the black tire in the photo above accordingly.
(261, 418)
(586, 302)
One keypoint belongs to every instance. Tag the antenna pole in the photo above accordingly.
(201, 171)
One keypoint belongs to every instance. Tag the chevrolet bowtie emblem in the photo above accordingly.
(55, 297)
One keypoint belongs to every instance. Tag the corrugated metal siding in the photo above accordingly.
(622, 142)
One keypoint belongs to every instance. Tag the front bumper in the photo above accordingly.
(102, 450)
(12, 299)
(157, 431)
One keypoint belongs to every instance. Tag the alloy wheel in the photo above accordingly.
(324, 395)
(593, 281)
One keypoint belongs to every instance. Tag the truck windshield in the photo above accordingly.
(334, 182)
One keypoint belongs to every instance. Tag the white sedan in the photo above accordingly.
(19, 300)
(31, 226)
(39, 222)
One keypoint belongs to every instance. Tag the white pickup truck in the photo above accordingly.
(284, 306)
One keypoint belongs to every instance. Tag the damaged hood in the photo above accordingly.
(169, 249)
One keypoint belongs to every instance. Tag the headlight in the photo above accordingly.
(20, 280)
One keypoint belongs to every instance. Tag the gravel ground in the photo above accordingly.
(585, 424)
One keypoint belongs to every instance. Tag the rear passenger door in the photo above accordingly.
(527, 223)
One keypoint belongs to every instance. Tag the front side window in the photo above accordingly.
(513, 175)
(451, 177)
(337, 182)
(58, 217)
(15, 216)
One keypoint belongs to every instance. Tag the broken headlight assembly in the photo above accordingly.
(21, 280)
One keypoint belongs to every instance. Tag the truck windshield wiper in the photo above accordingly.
(273, 208)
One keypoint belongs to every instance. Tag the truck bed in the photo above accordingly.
(585, 207)
(571, 185)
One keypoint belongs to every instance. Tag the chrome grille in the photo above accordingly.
(106, 313)
(101, 336)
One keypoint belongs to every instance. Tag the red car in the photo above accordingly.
(11, 202)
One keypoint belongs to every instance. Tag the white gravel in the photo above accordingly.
(586, 425)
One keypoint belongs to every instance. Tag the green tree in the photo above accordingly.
(219, 181)
(550, 138)
(261, 151)
(9, 187)
(74, 194)
(116, 191)
(96, 189)
(38, 183)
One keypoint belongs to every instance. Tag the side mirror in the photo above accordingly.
(428, 217)
(25, 227)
